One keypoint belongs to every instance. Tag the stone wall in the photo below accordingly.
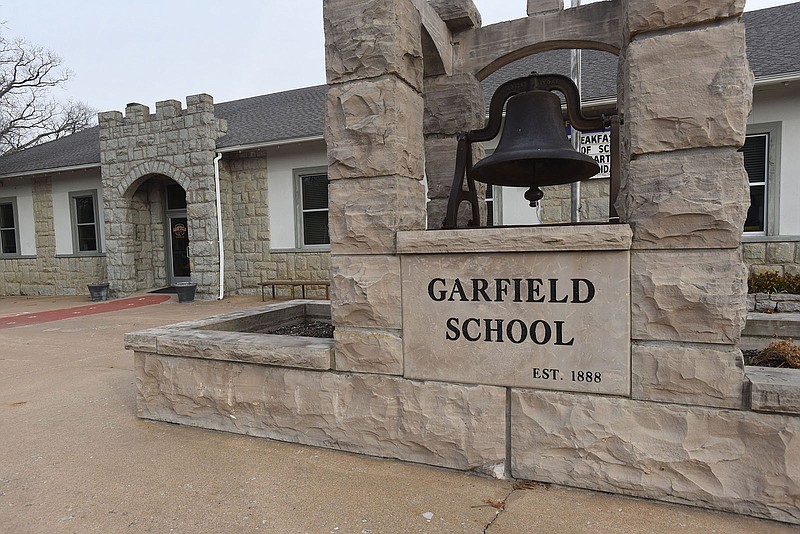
(174, 143)
(46, 273)
(771, 254)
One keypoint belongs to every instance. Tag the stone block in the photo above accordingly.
(780, 252)
(374, 128)
(696, 296)
(459, 15)
(365, 291)
(543, 6)
(733, 460)
(688, 89)
(774, 390)
(366, 214)
(440, 163)
(453, 104)
(682, 200)
(368, 351)
(754, 252)
(652, 15)
(698, 375)
(440, 424)
(371, 38)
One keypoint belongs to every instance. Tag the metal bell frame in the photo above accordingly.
(578, 121)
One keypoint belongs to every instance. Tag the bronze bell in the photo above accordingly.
(534, 150)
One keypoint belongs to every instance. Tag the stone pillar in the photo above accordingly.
(373, 55)
(453, 104)
(685, 92)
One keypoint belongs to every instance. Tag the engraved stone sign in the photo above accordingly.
(547, 320)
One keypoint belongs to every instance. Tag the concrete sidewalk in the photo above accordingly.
(76, 459)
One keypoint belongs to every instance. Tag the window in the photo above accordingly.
(489, 205)
(312, 191)
(9, 228)
(85, 222)
(761, 153)
(756, 163)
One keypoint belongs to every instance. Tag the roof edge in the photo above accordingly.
(54, 170)
(267, 144)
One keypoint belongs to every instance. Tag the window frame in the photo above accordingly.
(772, 185)
(13, 202)
(299, 174)
(74, 222)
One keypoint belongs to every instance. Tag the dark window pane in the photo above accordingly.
(8, 241)
(315, 228)
(87, 238)
(7, 215)
(755, 158)
(84, 209)
(755, 215)
(315, 192)
(176, 197)
(489, 205)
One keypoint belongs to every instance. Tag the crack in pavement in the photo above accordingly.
(500, 509)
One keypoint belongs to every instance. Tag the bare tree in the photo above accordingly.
(28, 114)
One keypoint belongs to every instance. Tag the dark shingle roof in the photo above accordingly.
(773, 48)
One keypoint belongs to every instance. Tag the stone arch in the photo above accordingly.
(544, 46)
(140, 173)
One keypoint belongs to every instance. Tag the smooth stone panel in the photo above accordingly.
(696, 296)
(374, 128)
(545, 320)
(744, 462)
(688, 374)
(688, 89)
(370, 38)
(459, 427)
(366, 214)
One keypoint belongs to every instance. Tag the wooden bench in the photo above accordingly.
(293, 284)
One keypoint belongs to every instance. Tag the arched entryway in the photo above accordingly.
(176, 221)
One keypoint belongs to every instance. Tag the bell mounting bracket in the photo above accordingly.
(533, 82)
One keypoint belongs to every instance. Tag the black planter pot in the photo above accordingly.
(98, 292)
(185, 291)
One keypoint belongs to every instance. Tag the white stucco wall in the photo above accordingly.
(282, 162)
(22, 191)
(781, 103)
(63, 185)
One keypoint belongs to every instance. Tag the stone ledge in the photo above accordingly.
(591, 237)
(774, 390)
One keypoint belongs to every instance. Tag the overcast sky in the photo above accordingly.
(144, 51)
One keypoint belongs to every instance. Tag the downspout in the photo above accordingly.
(219, 228)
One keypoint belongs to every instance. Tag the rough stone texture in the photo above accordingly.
(695, 199)
(652, 15)
(669, 110)
(699, 375)
(695, 296)
(542, 6)
(365, 291)
(368, 351)
(439, 424)
(286, 351)
(519, 239)
(440, 161)
(459, 15)
(137, 157)
(773, 303)
(774, 390)
(365, 214)
(453, 104)
(725, 459)
(373, 129)
(370, 38)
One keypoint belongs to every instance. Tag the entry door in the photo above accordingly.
(178, 253)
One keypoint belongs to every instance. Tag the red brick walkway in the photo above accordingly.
(79, 311)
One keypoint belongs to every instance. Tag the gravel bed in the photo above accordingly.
(307, 329)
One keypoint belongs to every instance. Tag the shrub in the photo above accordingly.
(772, 282)
(782, 353)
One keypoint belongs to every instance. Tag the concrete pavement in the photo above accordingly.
(75, 458)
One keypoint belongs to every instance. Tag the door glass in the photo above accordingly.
(179, 235)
